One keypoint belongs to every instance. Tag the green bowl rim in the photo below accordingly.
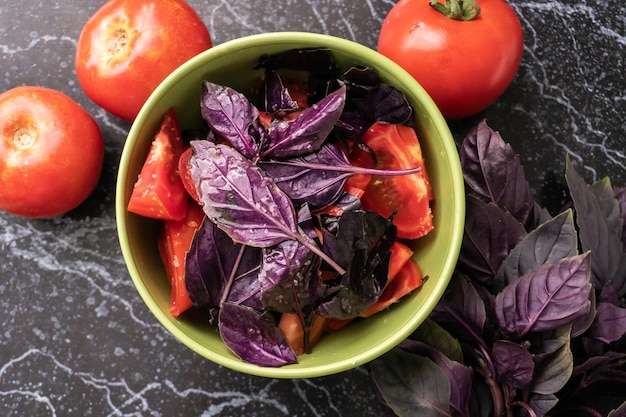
(458, 197)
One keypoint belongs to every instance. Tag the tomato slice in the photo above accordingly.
(407, 280)
(159, 192)
(174, 242)
(361, 158)
(408, 196)
(400, 255)
(291, 326)
(185, 175)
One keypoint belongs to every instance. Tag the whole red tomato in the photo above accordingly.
(51, 152)
(129, 46)
(464, 65)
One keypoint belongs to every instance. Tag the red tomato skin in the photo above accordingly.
(406, 197)
(185, 174)
(463, 65)
(173, 244)
(51, 152)
(159, 192)
(119, 73)
(408, 279)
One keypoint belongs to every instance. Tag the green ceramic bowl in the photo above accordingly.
(232, 63)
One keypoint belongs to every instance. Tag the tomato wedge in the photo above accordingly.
(408, 196)
(408, 279)
(174, 242)
(159, 192)
(185, 175)
(291, 326)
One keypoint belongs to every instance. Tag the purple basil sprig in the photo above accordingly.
(536, 307)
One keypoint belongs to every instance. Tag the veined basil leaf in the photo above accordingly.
(244, 201)
(460, 376)
(620, 195)
(318, 178)
(290, 278)
(550, 297)
(554, 240)
(240, 198)
(493, 171)
(374, 100)
(599, 231)
(514, 364)
(554, 366)
(319, 62)
(610, 323)
(307, 132)
(490, 234)
(303, 181)
(362, 245)
(461, 308)
(212, 260)
(254, 336)
(412, 385)
(233, 117)
(276, 95)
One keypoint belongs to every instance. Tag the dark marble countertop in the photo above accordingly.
(75, 337)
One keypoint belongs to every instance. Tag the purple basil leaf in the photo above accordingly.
(384, 104)
(490, 234)
(276, 95)
(461, 309)
(361, 81)
(351, 125)
(412, 385)
(493, 172)
(317, 61)
(254, 336)
(307, 132)
(303, 182)
(231, 116)
(542, 404)
(599, 232)
(354, 226)
(363, 242)
(204, 276)
(609, 204)
(244, 201)
(209, 264)
(375, 100)
(610, 324)
(460, 376)
(513, 362)
(553, 295)
(608, 295)
(318, 178)
(620, 195)
(555, 364)
(581, 324)
(553, 240)
(596, 367)
(240, 198)
(434, 335)
(290, 278)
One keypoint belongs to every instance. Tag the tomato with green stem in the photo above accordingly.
(464, 53)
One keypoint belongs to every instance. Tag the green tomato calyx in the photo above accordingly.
(457, 9)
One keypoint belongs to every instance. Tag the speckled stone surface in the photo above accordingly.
(76, 339)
